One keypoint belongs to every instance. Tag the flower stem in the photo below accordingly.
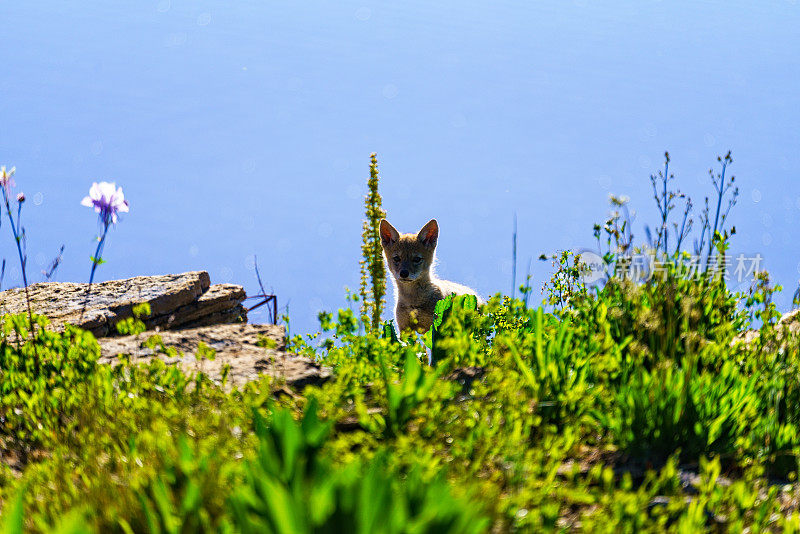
(95, 262)
(22, 262)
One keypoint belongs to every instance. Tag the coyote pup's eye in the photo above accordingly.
(396, 259)
(417, 259)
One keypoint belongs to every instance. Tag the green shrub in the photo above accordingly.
(38, 396)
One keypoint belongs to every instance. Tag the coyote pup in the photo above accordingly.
(410, 258)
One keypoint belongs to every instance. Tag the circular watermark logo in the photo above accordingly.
(595, 266)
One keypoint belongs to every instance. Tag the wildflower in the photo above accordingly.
(6, 178)
(7, 182)
(21, 198)
(107, 200)
(621, 200)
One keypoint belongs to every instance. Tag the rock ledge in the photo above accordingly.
(186, 310)
(236, 345)
(176, 301)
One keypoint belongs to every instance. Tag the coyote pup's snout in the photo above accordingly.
(417, 290)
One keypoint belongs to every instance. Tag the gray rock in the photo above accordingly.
(792, 321)
(235, 344)
(176, 301)
(186, 310)
(789, 324)
(221, 304)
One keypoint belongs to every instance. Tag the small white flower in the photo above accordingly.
(6, 178)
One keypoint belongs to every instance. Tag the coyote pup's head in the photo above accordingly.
(409, 255)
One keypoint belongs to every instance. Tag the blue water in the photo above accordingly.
(244, 128)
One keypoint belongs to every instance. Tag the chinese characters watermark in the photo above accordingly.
(643, 267)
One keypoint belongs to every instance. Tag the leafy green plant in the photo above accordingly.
(443, 314)
(37, 396)
(14, 514)
(134, 325)
(566, 283)
(177, 499)
(291, 488)
(556, 378)
(403, 398)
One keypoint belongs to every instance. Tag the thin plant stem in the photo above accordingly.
(686, 225)
(95, 262)
(18, 239)
(720, 193)
(666, 205)
(514, 259)
(528, 283)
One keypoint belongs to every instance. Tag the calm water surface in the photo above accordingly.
(244, 128)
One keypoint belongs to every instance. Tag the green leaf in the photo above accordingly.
(14, 514)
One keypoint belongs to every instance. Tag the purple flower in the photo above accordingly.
(107, 200)
(6, 180)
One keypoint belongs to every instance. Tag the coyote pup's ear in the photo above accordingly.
(388, 234)
(429, 234)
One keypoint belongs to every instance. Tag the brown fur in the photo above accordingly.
(416, 293)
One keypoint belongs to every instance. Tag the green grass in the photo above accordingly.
(585, 417)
